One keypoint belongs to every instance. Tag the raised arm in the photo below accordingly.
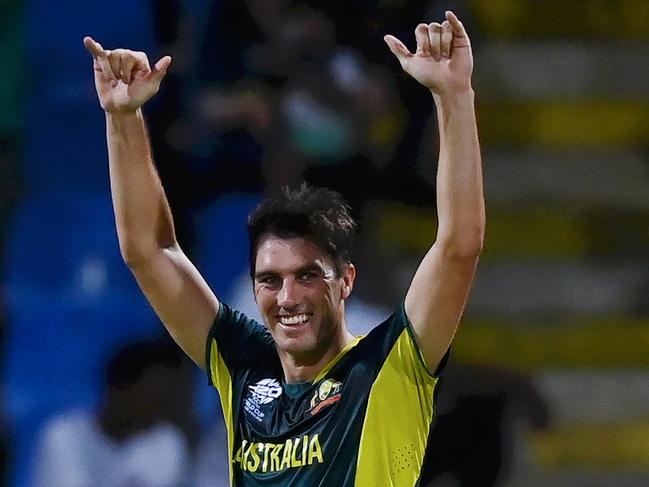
(437, 295)
(147, 240)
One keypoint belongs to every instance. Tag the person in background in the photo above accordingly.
(129, 441)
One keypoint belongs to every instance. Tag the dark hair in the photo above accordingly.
(131, 362)
(319, 215)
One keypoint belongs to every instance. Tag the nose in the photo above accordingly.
(289, 295)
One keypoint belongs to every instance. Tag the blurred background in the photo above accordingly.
(548, 381)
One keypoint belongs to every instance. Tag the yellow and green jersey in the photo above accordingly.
(363, 422)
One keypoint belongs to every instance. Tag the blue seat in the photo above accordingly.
(64, 125)
(222, 250)
(69, 298)
(65, 244)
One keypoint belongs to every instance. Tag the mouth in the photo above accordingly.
(294, 321)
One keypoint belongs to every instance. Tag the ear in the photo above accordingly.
(349, 274)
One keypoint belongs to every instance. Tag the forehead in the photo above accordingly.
(285, 255)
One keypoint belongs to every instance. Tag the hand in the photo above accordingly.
(123, 78)
(443, 61)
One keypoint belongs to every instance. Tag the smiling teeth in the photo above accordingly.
(293, 320)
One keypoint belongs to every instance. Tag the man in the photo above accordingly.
(305, 402)
(131, 439)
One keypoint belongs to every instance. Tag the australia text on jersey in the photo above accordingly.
(295, 452)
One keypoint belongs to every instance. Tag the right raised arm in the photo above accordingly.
(147, 240)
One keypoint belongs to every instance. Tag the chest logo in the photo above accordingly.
(263, 392)
(327, 393)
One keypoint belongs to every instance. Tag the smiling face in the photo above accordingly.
(300, 296)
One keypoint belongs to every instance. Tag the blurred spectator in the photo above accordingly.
(472, 439)
(212, 466)
(132, 439)
(278, 99)
(282, 91)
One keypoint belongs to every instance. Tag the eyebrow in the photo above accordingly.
(307, 268)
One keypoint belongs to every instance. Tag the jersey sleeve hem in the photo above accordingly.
(442, 363)
(208, 344)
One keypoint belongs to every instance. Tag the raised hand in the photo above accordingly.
(124, 78)
(443, 61)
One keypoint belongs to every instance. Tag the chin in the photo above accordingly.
(293, 346)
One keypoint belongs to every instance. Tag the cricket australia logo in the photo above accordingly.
(263, 392)
(328, 393)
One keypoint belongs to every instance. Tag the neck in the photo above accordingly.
(306, 367)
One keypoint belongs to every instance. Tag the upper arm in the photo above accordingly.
(180, 297)
(436, 298)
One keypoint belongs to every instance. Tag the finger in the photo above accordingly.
(141, 67)
(160, 69)
(434, 37)
(446, 39)
(398, 48)
(128, 62)
(115, 60)
(423, 44)
(100, 55)
(459, 31)
(142, 61)
(93, 46)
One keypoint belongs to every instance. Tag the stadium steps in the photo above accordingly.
(569, 344)
(576, 179)
(594, 446)
(563, 110)
(535, 71)
(526, 230)
(514, 20)
(565, 123)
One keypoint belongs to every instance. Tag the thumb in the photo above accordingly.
(397, 47)
(160, 69)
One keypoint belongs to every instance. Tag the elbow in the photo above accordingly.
(467, 246)
(138, 253)
(134, 254)
(132, 257)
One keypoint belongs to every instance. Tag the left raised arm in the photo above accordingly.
(439, 290)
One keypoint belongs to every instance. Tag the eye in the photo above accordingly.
(308, 276)
(269, 281)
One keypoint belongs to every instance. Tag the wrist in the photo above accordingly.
(124, 123)
(123, 115)
(454, 95)
(130, 113)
